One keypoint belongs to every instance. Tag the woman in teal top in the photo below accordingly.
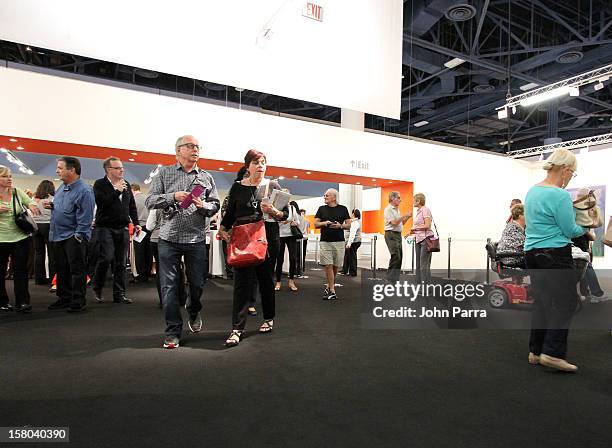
(13, 243)
(550, 227)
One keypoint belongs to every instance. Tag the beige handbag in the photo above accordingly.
(588, 213)
(607, 240)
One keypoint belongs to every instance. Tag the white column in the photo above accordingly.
(351, 119)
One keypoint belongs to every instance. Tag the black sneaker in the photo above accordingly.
(58, 305)
(77, 308)
(99, 298)
(195, 323)
(171, 342)
(7, 307)
(123, 300)
(23, 308)
(330, 296)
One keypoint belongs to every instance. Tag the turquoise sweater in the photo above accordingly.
(549, 218)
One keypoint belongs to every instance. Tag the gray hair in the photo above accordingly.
(394, 195)
(332, 191)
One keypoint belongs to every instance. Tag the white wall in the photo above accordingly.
(467, 191)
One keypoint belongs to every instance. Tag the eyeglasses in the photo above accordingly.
(574, 173)
(115, 167)
(191, 146)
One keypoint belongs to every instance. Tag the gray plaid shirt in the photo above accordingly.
(182, 225)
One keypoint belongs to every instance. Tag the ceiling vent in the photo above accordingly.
(146, 73)
(460, 13)
(484, 88)
(425, 111)
(570, 57)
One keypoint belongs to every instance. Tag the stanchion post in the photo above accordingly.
(373, 257)
(488, 262)
(449, 258)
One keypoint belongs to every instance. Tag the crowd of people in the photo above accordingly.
(82, 232)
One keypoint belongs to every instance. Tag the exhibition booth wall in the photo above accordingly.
(468, 191)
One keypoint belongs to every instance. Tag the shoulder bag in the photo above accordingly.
(248, 244)
(23, 216)
(432, 243)
(588, 213)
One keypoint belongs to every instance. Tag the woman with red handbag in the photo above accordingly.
(423, 235)
(249, 222)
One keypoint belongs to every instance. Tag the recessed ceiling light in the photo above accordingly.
(281, 177)
(358, 183)
(131, 160)
(230, 163)
(20, 147)
(308, 172)
(373, 180)
(12, 139)
(221, 169)
(390, 182)
(295, 177)
(134, 153)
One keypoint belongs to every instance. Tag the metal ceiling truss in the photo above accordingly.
(587, 142)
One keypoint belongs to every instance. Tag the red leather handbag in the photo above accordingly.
(248, 245)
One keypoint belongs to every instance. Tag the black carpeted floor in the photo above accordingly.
(318, 380)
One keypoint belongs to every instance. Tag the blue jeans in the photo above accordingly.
(169, 272)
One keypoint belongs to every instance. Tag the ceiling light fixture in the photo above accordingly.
(308, 172)
(230, 163)
(20, 148)
(454, 63)
(295, 177)
(570, 86)
(12, 139)
(134, 153)
(131, 160)
(531, 85)
(22, 167)
(421, 123)
(281, 177)
(221, 169)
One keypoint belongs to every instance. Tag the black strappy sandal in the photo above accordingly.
(234, 338)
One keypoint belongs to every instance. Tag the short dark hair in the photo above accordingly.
(241, 173)
(71, 163)
(45, 189)
(108, 160)
(357, 213)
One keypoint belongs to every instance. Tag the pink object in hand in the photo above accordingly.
(196, 192)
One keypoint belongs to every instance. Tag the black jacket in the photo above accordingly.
(112, 212)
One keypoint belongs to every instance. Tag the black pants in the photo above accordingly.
(244, 283)
(291, 243)
(553, 286)
(71, 271)
(143, 257)
(304, 244)
(349, 267)
(229, 271)
(112, 244)
(42, 247)
(18, 252)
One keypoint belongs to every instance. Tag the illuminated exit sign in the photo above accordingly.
(313, 11)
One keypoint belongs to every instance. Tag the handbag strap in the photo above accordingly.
(435, 227)
(16, 197)
(582, 198)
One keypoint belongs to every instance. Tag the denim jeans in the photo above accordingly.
(169, 272)
(423, 262)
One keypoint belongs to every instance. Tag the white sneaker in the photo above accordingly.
(599, 299)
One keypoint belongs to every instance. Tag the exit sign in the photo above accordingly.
(313, 11)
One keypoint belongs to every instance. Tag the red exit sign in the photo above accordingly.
(313, 11)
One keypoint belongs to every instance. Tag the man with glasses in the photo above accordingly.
(394, 223)
(182, 234)
(116, 208)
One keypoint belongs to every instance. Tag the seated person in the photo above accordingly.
(513, 238)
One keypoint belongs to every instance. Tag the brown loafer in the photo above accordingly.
(557, 363)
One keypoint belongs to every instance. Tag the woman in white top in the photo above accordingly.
(42, 246)
(287, 238)
(353, 243)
